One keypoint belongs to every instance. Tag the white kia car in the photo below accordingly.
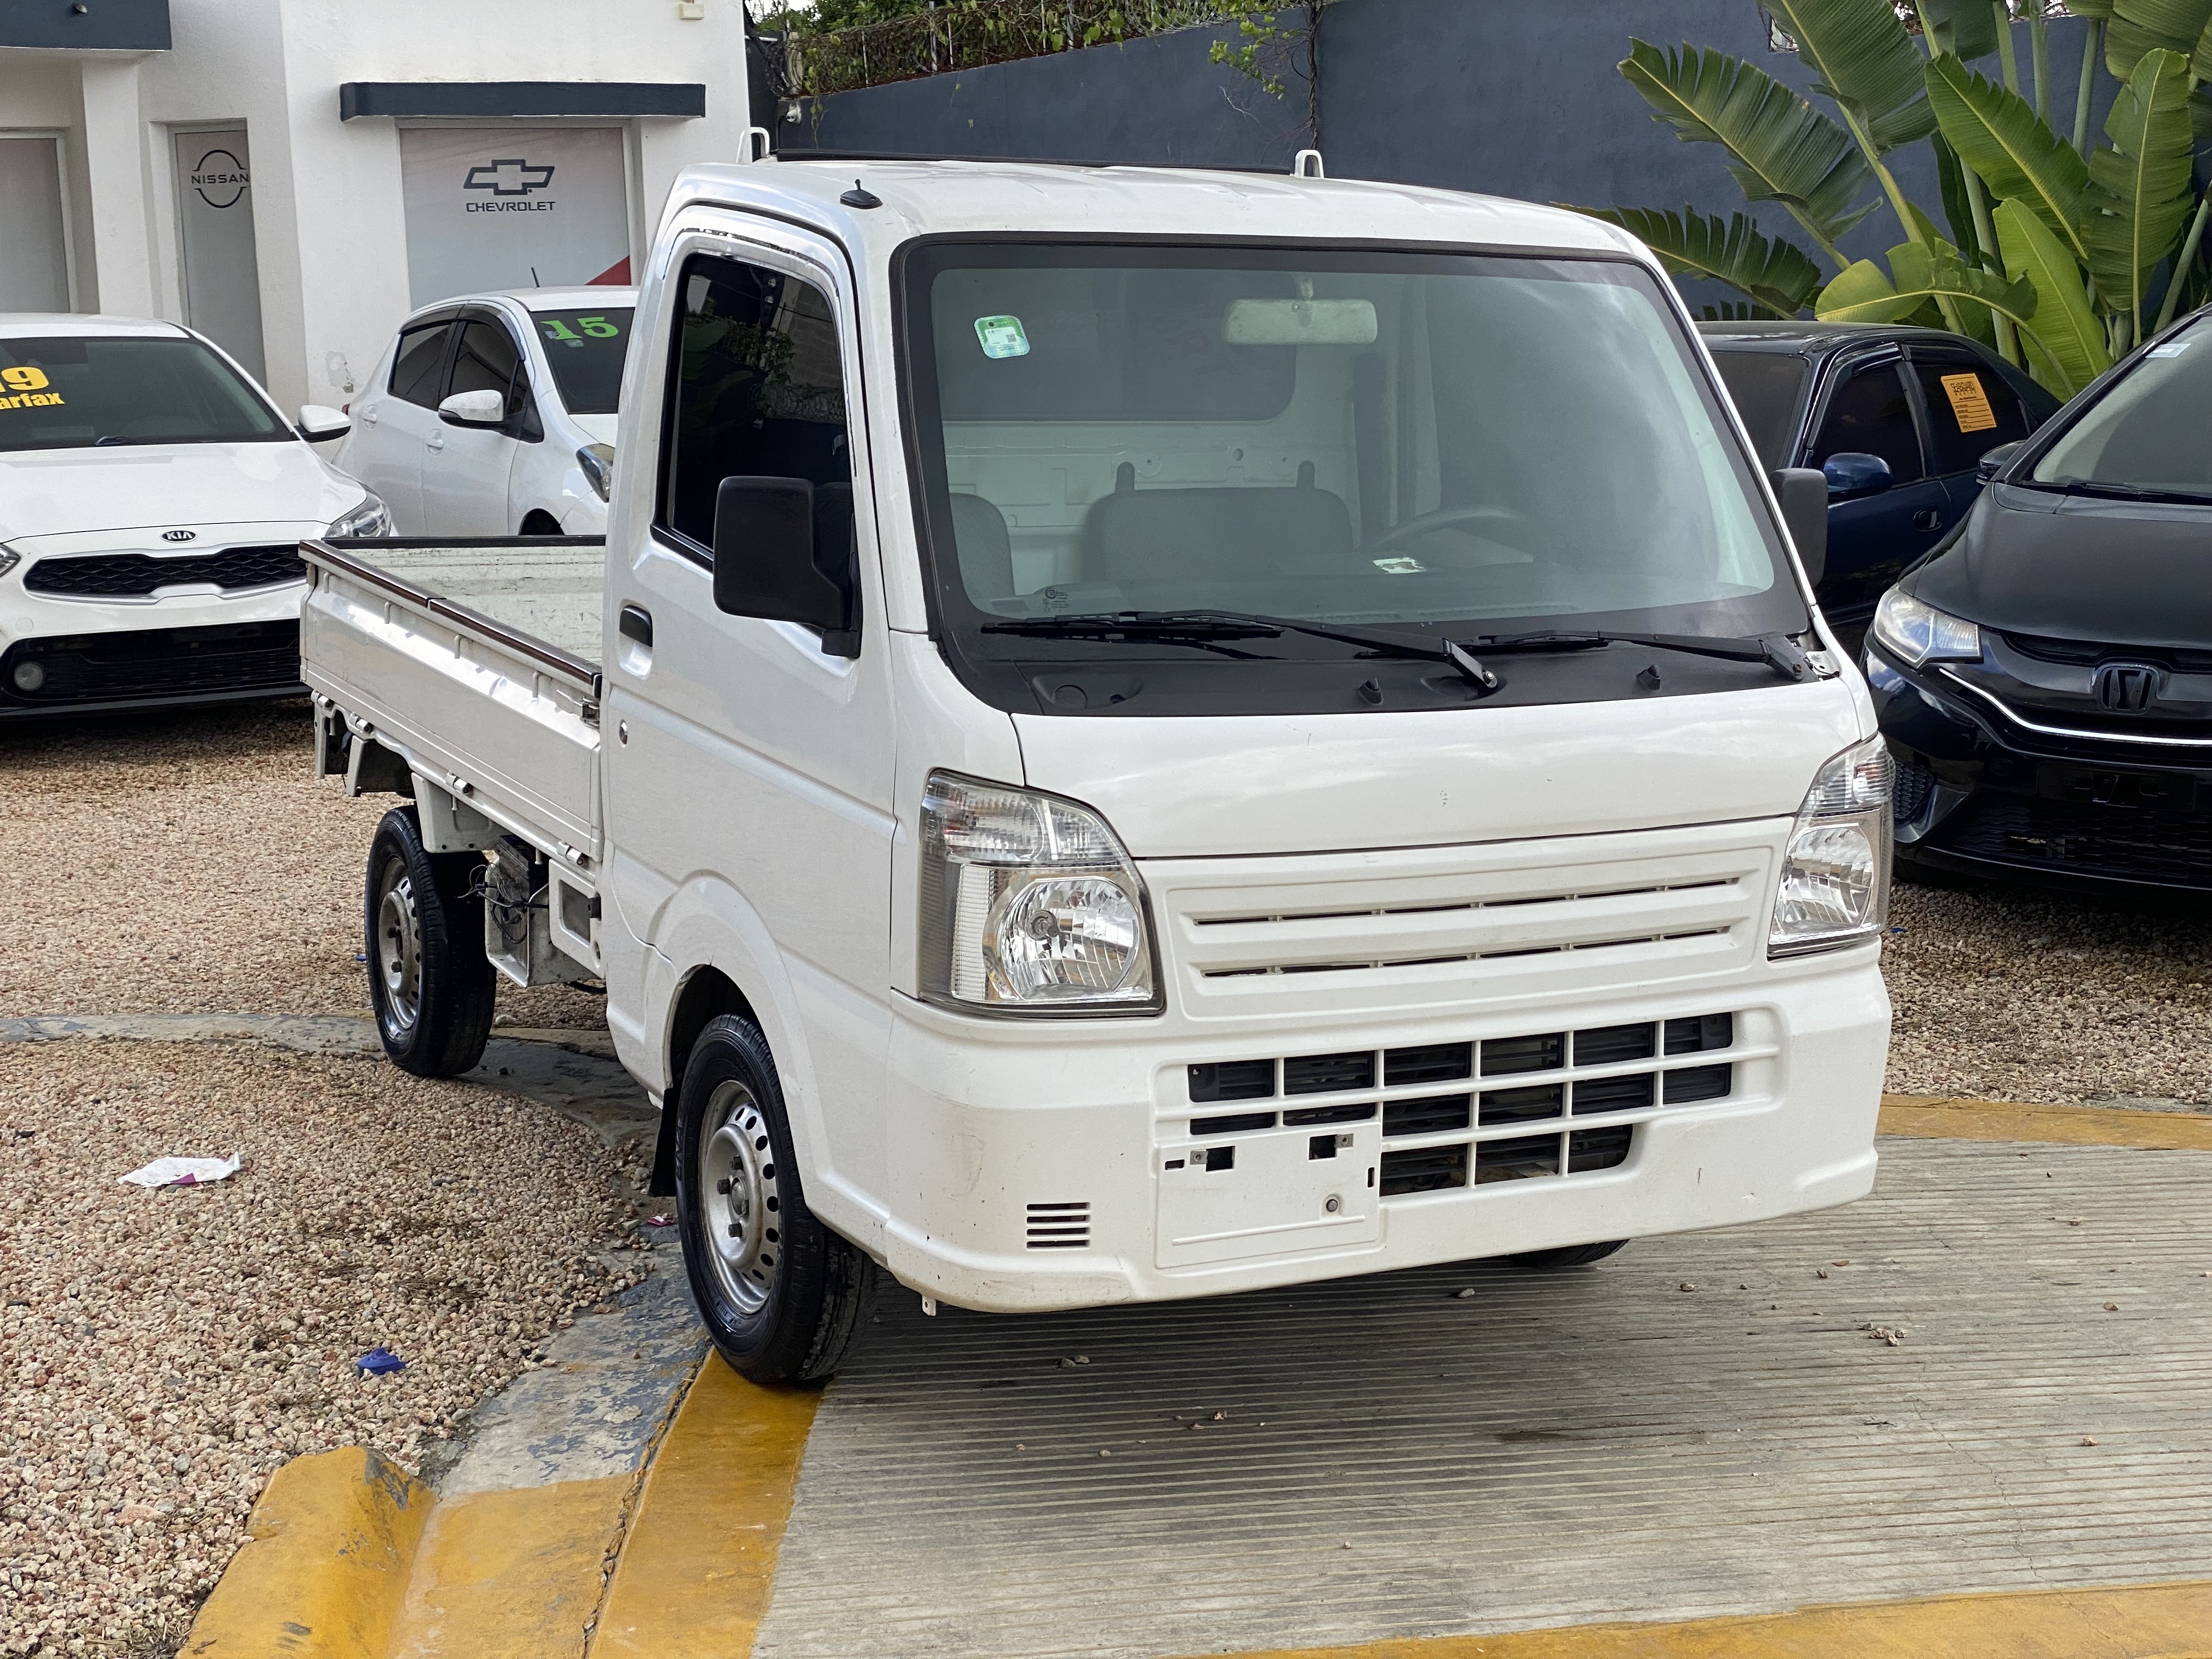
(152, 504)
(494, 415)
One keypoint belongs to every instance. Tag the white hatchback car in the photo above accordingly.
(494, 415)
(153, 500)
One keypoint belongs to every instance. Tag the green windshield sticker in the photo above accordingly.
(1002, 336)
(561, 332)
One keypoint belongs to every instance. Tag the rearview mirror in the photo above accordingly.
(319, 423)
(783, 550)
(1993, 461)
(474, 409)
(1803, 494)
(1850, 472)
(1299, 322)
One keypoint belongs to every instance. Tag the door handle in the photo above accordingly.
(435, 440)
(636, 623)
(370, 414)
(1926, 519)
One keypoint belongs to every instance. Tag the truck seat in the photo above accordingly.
(986, 553)
(1210, 534)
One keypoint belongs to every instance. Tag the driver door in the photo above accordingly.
(1871, 538)
(465, 468)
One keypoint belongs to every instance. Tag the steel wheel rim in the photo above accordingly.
(398, 944)
(738, 1203)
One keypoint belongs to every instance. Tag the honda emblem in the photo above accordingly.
(2127, 688)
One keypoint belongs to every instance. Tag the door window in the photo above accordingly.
(760, 391)
(418, 369)
(1870, 415)
(488, 359)
(1970, 411)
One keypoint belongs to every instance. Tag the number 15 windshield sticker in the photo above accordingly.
(575, 329)
(25, 387)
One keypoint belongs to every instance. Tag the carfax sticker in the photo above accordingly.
(1002, 336)
(25, 387)
(1970, 404)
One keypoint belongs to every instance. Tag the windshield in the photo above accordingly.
(1449, 444)
(1767, 387)
(2148, 430)
(72, 392)
(587, 349)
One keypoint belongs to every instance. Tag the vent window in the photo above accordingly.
(1613, 1094)
(1503, 1056)
(1608, 1045)
(1434, 1115)
(1233, 1080)
(1060, 1226)
(1441, 1063)
(1695, 1083)
(1234, 1124)
(1702, 1034)
(1524, 1105)
(1427, 1170)
(1520, 1159)
(1326, 1074)
(1599, 1149)
(1305, 1114)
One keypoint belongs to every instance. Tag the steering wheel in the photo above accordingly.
(1444, 517)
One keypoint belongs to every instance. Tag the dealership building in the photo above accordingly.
(291, 177)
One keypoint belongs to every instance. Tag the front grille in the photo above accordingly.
(1064, 1226)
(137, 575)
(2084, 838)
(153, 662)
(1479, 1135)
(2085, 653)
(1910, 788)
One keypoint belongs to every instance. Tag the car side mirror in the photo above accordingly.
(485, 408)
(1993, 461)
(1803, 494)
(319, 424)
(783, 550)
(1852, 473)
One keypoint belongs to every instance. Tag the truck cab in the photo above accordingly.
(1150, 734)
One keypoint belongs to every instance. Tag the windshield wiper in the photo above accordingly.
(1778, 651)
(1195, 626)
(2122, 492)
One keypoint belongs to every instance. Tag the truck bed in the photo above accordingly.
(476, 661)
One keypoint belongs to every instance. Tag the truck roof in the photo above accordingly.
(935, 197)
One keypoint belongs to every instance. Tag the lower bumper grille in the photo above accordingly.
(2083, 838)
(138, 575)
(154, 662)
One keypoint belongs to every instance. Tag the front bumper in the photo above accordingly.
(1037, 1171)
(1980, 794)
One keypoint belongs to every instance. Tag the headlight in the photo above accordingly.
(1835, 876)
(597, 462)
(371, 518)
(9, 558)
(1028, 905)
(1920, 633)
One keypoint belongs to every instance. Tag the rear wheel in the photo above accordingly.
(1568, 1256)
(429, 978)
(782, 1294)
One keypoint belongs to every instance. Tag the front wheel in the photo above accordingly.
(1567, 1255)
(429, 980)
(782, 1294)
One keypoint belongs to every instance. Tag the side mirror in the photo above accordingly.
(1993, 461)
(474, 409)
(783, 549)
(319, 423)
(1803, 494)
(1850, 472)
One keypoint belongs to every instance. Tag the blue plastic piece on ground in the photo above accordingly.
(379, 1362)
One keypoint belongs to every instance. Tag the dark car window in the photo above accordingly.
(587, 349)
(416, 374)
(75, 392)
(1970, 411)
(2146, 429)
(486, 361)
(1766, 388)
(1870, 414)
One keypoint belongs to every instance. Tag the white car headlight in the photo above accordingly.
(597, 463)
(1028, 905)
(370, 517)
(9, 558)
(1835, 875)
(1921, 633)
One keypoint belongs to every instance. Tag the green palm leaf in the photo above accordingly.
(1997, 133)
(1866, 63)
(1780, 148)
(1965, 28)
(2139, 192)
(1779, 275)
(2141, 26)
(2069, 349)
(1866, 294)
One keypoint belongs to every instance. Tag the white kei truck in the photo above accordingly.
(1142, 734)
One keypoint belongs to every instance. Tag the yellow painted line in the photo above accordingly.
(512, 1574)
(2146, 1621)
(699, 1560)
(1945, 1118)
(324, 1570)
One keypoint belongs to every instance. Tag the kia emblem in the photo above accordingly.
(2127, 688)
(178, 535)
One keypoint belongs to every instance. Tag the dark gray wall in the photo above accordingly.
(1493, 96)
(107, 25)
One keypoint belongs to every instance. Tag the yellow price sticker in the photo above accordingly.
(24, 378)
(1970, 403)
(24, 386)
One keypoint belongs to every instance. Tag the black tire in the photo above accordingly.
(1567, 1255)
(783, 1302)
(429, 980)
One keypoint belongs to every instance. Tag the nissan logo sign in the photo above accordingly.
(178, 535)
(2126, 687)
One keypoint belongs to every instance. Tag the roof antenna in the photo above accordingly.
(860, 197)
(534, 283)
(1306, 164)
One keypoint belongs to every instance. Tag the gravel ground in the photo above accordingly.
(187, 862)
(164, 1351)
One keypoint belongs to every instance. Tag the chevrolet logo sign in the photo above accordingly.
(511, 178)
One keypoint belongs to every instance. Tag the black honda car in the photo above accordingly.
(2044, 675)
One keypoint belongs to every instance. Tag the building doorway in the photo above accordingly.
(214, 220)
(34, 273)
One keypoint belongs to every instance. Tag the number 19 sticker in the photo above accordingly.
(1002, 336)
